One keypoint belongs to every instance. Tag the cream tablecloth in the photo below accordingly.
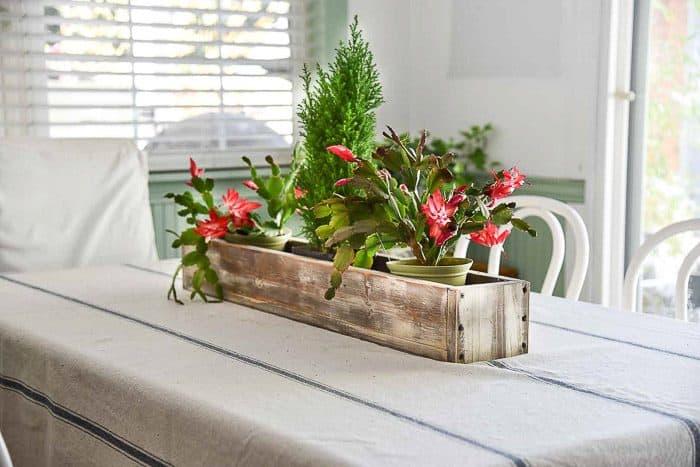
(97, 368)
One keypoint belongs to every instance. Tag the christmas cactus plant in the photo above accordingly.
(280, 193)
(411, 201)
(233, 217)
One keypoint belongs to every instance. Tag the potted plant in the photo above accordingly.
(281, 197)
(233, 218)
(412, 201)
(338, 108)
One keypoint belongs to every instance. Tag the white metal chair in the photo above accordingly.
(629, 288)
(5, 460)
(545, 208)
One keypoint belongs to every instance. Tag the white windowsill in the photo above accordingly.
(216, 160)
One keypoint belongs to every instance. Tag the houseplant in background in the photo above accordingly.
(472, 157)
(338, 108)
(470, 151)
(233, 218)
(412, 201)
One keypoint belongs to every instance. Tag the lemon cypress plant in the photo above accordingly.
(338, 108)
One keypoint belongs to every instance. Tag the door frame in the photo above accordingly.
(608, 197)
(638, 120)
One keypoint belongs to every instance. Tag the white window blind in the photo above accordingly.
(205, 77)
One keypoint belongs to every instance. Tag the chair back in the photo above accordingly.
(545, 209)
(5, 460)
(629, 288)
(73, 202)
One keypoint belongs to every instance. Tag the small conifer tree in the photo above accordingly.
(338, 109)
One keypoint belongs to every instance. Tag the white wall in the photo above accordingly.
(543, 108)
(537, 69)
(384, 24)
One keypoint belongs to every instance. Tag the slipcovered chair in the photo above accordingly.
(73, 202)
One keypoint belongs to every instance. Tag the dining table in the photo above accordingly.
(98, 367)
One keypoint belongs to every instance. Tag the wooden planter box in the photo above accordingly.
(483, 320)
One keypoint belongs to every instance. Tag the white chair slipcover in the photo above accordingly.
(72, 202)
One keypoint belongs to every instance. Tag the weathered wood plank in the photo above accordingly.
(412, 315)
(495, 321)
(453, 329)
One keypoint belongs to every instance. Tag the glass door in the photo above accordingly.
(664, 163)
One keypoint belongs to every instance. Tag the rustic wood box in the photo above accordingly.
(485, 319)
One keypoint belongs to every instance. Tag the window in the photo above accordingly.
(209, 77)
(665, 144)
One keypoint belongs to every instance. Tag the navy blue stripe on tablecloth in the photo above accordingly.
(614, 339)
(691, 425)
(288, 374)
(82, 423)
(145, 269)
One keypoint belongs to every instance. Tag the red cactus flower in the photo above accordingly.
(239, 208)
(505, 185)
(343, 152)
(438, 214)
(456, 200)
(403, 188)
(298, 192)
(214, 227)
(342, 182)
(444, 236)
(490, 235)
(251, 184)
(194, 171)
(461, 189)
(499, 190)
(513, 177)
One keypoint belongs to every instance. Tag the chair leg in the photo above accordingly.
(461, 247)
(682, 283)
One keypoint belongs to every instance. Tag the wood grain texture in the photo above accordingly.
(415, 316)
(494, 321)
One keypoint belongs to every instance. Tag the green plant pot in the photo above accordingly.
(450, 271)
(273, 243)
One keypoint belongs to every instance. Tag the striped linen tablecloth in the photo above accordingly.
(97, 368)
